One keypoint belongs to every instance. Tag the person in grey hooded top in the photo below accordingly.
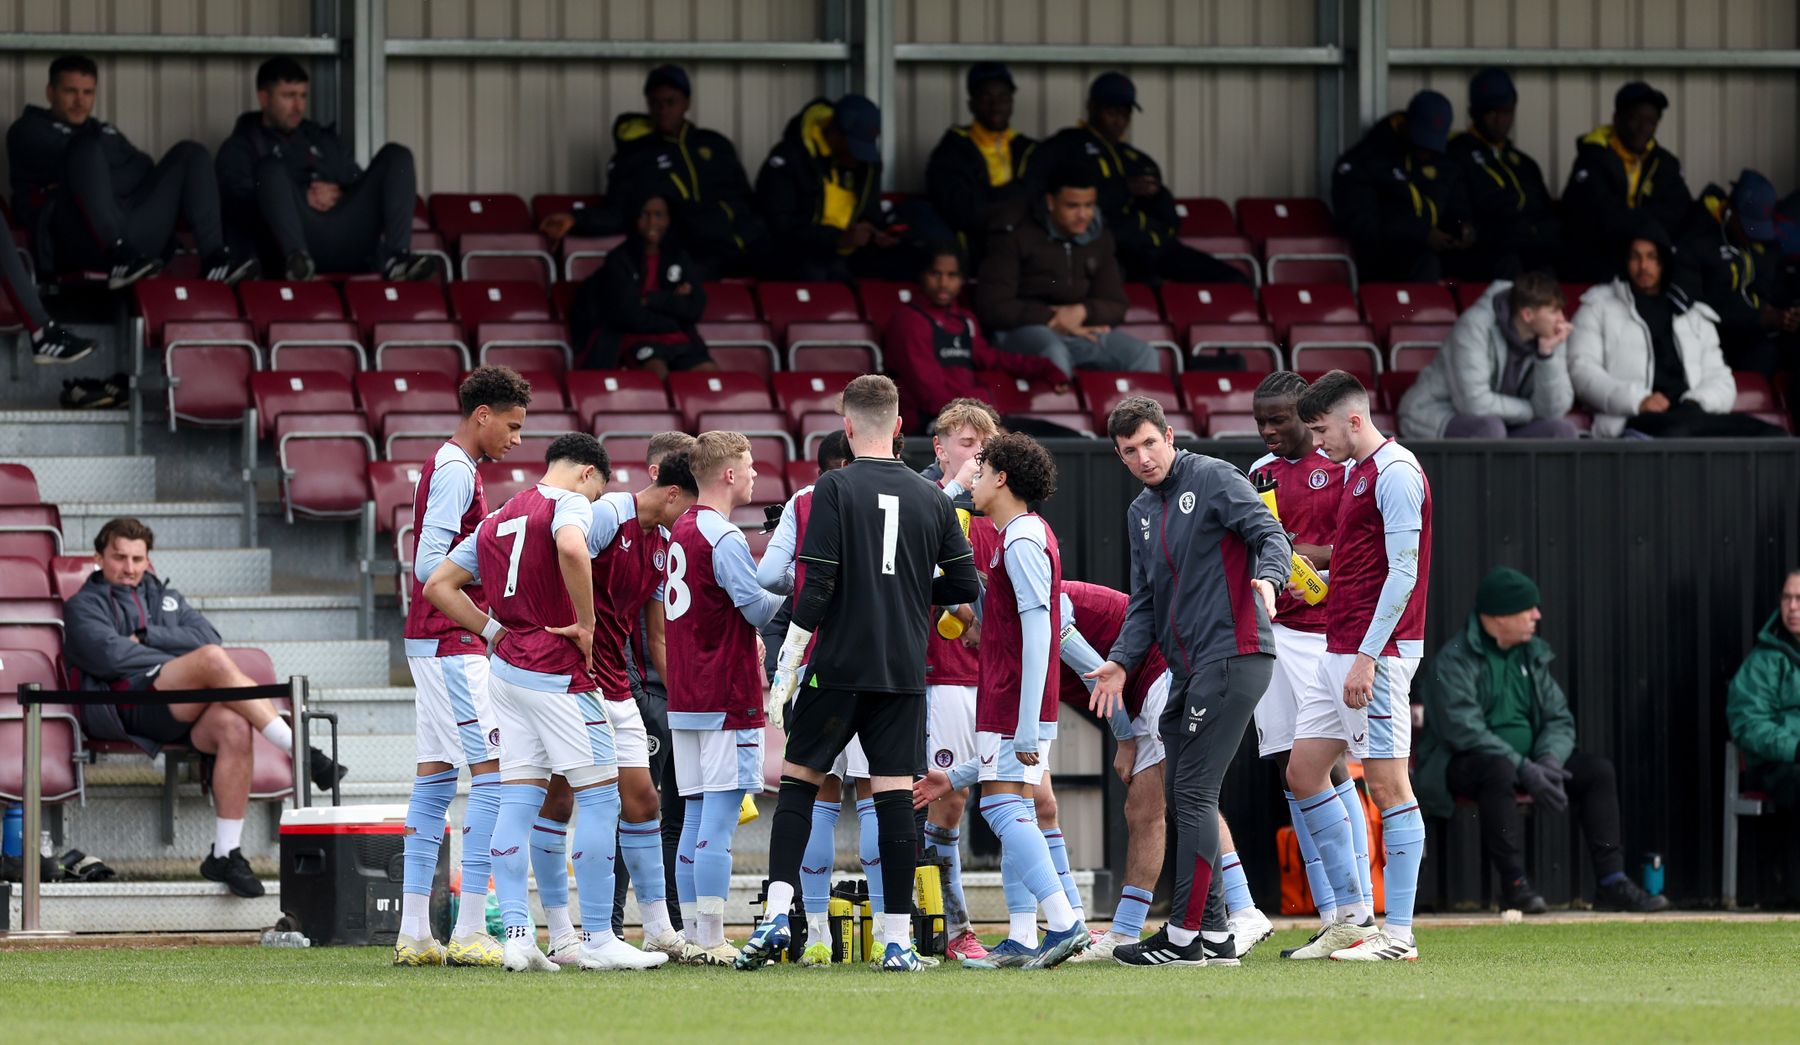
(1501, 372)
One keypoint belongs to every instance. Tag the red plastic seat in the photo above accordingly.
(1104, 390)
(1289, 303)
(1467, 294)
(881, 298)
(1141, 305)
(1412, 346)
(1393, 384)
(332, 344)
(1040, 397)
(1236, 424)
(416, 435)
(421, 215)
(1006, 394)
(594, 392)
(769, 431)
(843, 346)
(536, 345)
(59, 776)
(695, 392)
(582, 256)
(784, 303)
(1187, 424)
(18, 485)
(324, 474)
(500, 480)
(1572, 297)
(269, 301)
(436, 345)
(1189, 303)
(392, 485)
(1074, 420)
(1160, 336)
(276, 393)
(373, 303)
(31, 531)
(746, 346)
(797, 394)
(1389, 304)
(523, 256)
(1205, 216)
(802, 474)
(1334, 346)
(24, 578)
(1308, 259)
(631, 476)
(384, 392)
(1252, 342)
(455, 214)
(730, 302)
(1236, 251)
(1754, 393)
(1217, 392)
(69, 572)
(545, 204)
(162, 301)
(473, 302)
(209, 363)
(1411, 357)
(1261, 217)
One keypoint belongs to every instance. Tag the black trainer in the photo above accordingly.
(86, 393)
(1225, 952)
(404, 267)
(1159, 951)
(323, 770)
(1518, 895)
(300, 267)
(59, 344)
(127, 268)
(235, 872)
(1627, 895)
(221, 267)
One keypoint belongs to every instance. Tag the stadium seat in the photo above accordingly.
(372, 303)
(1188, 303)
(1141, 305)
(500, 480)
(1252, 342)
(1233, 425)
(269, 301)
(1411, 357)
(1187, 425)
(455, 214)
(1415, 335)
(562, 299)
(162, 301)
(522, 256)
(1236, 251)
(1467, 294)
(606, 391)
(333, 345)
(428, 244)
(543, 427)
(1289, 303)
(32, 624)
(1572, 297)
(324, 474)
(69, 572)
(275, 393)
(537, 345)
(694, 393)
(1170, 356)
(473, 303)
(627, 449)
(801, 474)
(1073, 420)
(1261, 217)
(416, 435)
(32, 531)
(730, 302)
(59, 777)
(435, 345)
(1216, 393)
(1393, 385)
(880, 299)
(1387, 305)
(1039, 397)
(1205, 216)
(421, 215)
(209, 363)
(797, 394)
(1102, 391)
(743, 346)
(24, 578)
(18, 485)
(582, 256)
(769, 431)
(383, 392)
(1754, 393)
(1308, 259)
(628, 478)
(844, 346)
(1334, 346)
(784, 303)
(545, 204)
(1006, 394)
(391, 487)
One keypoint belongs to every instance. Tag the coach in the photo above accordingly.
(1206, 560)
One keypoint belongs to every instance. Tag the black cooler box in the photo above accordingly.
(341, 873)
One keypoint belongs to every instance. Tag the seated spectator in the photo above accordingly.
(820, 192)
(1644, 356)
(92, 200)
(1051, 286)
(1399, 199)
(1137, 207)
(1763, 705)
(1729, 253)
(1501, 372)
(128, 632)
(1619, 172)
(1517, 228)
(933, 347)
(642, 306)
(977, 167)
(51, 342)
(696, 171)
(1497, 723)
(293, 190)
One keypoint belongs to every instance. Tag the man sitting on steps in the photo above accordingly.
(126, 630)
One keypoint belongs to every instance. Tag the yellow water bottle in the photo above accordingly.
(949, 625)
(1301, 574)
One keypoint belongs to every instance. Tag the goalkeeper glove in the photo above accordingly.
(787, 672)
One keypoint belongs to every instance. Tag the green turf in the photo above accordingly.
(1689, 981)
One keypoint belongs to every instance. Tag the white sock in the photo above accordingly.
(1355, 914)
(556, 919)
(1399, 933)
(711, 916)
(818, 929)
(1024, 928)
(690, 918)
(595, 941)
(781, 899)
(1214, 937)
(415, 915)
(896, 928)
(471, 914)
(226, 835)
(1327, 915)
(1057, 912)
(656, 917)
(1181, 937)
(280, 735)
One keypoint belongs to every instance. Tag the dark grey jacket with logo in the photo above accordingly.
(98, 624)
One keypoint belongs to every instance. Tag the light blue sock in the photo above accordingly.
(425, 814)
(478, 831)
(1324, 817)
(684, 853)
(596, 846)
(1015, 825)
(641, 844)
(1359, 832)
(821, 853)
(1134, 907)
(1237, 887)
(1403, 841)
(1059, 859)
(947, 843)
(868, 849)
(550, 861)
(1018, 898)
(519, 804)
(712, 853)
(1316, 879)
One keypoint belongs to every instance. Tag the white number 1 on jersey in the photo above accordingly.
(890, 529)
(510, 528)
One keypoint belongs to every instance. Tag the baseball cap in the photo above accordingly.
(1638, 92)
(859, 121)
(1428, 118)
(984, 72)
(1753, 201)
(669, 76)
(1114, 91)
(1492, 89)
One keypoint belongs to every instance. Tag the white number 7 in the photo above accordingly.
(890, 529)
(509, 528)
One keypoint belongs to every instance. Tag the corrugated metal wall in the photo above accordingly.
(1719, 121)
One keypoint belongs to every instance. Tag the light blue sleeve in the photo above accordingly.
(451, 492)
(434, 544)
(1400, 494)
(964, 774)
(606, 523)
(735, 570)
(1029, 567)
(573, 510)
(464, 553)
(776, 571)
(1081, 657)
(1033, 676)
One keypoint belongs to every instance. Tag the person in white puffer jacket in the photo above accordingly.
(1644, 356)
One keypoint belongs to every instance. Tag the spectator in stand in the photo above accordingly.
(1729, 253)
(934, 349)
(1497, 723)
(1517, 228)
(92, 200)
(1400, 200)
(1619, 171)
(697, 171)
(1644, 356)
(51, 342)
(1051, 286)
(1763, 705)
(979, 166)
(642, 306)
(1501, 372)
(1137, 207)
(820, 191)
(128, 632)
(297, 195)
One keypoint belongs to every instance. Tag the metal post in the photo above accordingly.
(302, 741)
(33, 826)
(365, 606)
(1328, 95)
(1371, 61)
(368, 75)
(327, 72)
(835, 77)
(247, 529)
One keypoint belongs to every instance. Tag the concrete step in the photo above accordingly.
(63, 432)
(339, 662)
(252, 618)
(80, 478)
(215, 571)
(177, 524)
(369, 711)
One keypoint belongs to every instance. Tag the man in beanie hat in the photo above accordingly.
(1620, 170)
(1516, 225)
(1496, 724)
(980, 164)
(1399, 199)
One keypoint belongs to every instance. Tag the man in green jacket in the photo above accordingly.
(1763, 706)
(1497, 723)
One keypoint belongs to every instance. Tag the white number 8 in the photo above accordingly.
(676, 596)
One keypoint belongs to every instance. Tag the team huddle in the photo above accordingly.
(932, 636)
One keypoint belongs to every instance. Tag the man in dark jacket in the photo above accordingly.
(1516, 225)
(1619, 171)
(1050, 285)
(1496, 723)
(1400, 200)
(92, 200)
(1763, 705)
(978, 166)
(291, 188)
(1728, 255)
(1137, 206)
(643, 305)
(127, 631)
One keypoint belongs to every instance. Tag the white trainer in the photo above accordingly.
(1100, 948)
(1337, 936)
(669, 942)
(522, 955)
(1251, 927)
(617, 954)
(1381, 948)
(566, 949)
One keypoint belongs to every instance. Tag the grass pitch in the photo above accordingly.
(1667, 981)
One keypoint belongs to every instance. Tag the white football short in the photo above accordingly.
(1297, 657)
(453, 715)
(631, 741)
(851, 763)
(949, 725)
(543, 733)
(1381, 730)
(718, 760)
(1149, 735)
(999, 763)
